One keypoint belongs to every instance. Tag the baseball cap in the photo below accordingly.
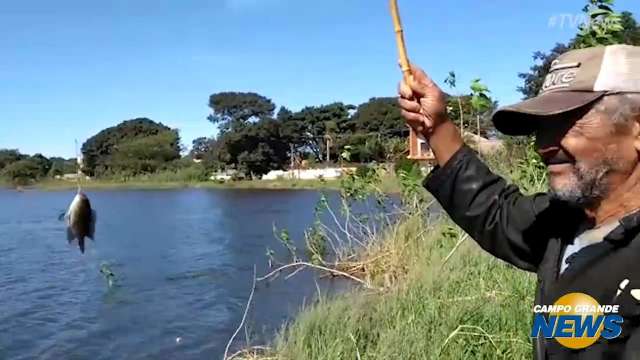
(576, 78)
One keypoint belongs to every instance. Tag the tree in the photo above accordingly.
(534, 79)
(604, 26)
(9, 156)
(200, 147)
(283, 114)
(380, 115)
(22, 172)
(144, 155)
(602, 29)
(234, 109)
(631, 33)
(254, 149)
(307, 129)
(61, 166)
(44, 164)
(98, 149)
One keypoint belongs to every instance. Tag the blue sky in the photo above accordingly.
(69, 68)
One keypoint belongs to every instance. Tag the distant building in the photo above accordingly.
(223, 175)
(419, 148)
(72, 177)
(307, 174)
(483, 145)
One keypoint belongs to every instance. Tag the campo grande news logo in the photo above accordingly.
(576, 321)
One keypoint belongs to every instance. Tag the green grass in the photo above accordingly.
(473, 307)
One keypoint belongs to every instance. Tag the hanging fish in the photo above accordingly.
(81, 220)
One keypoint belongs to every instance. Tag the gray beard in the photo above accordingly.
(589, 186)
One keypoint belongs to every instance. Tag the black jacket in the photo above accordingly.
(531, 233)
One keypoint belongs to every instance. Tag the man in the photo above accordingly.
(584, 235)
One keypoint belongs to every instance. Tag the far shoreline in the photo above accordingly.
(62, 185)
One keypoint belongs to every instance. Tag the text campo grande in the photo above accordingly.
(586, 308)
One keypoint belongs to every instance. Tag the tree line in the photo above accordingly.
(21, 168)
(253, 138)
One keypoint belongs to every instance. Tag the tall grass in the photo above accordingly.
(441, 296)
(472, 306)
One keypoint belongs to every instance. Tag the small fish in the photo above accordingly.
(80, 219)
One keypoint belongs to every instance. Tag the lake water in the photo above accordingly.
(184, 261)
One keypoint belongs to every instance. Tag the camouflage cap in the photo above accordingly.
(576, 78)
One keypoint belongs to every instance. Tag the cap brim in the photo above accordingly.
(522, 118)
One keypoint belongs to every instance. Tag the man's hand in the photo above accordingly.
(422, 103)
(424, 106)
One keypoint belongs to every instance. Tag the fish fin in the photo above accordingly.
(70, 235)
(81, 244)
(92, 225)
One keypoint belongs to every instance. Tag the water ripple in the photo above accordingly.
(183, 262)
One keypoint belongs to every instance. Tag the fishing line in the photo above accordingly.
(78, 166)
(93, 258)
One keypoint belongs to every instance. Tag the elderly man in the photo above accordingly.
(584, 235)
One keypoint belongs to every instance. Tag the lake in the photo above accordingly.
(184, 261)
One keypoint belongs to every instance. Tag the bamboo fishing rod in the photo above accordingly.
(402, 49)
(404, 59)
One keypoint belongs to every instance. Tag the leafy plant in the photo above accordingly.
(604, 26)
(480, 100)
(285, 240)
(451, 82)
(410, 176)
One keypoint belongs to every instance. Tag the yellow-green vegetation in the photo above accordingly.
(155, 184)
(437, 294)
(181, 179)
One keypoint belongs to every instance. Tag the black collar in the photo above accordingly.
(626, 231)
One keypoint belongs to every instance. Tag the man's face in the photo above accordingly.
(587, 155)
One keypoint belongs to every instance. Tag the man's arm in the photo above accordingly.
(502, 220)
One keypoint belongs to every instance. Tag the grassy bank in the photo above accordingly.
(471, 307)
(442, 297)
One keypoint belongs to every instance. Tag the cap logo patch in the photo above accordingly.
(560, 75)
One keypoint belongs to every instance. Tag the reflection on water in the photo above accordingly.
(183, 264)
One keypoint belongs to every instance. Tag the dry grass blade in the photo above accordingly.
(460, 331)
(305, 264)
(244, 316)
(252, 353)
(355, 343)
(462, 239)
(479, 332)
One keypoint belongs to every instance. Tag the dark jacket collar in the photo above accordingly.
(626, 231)
(620, 236)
